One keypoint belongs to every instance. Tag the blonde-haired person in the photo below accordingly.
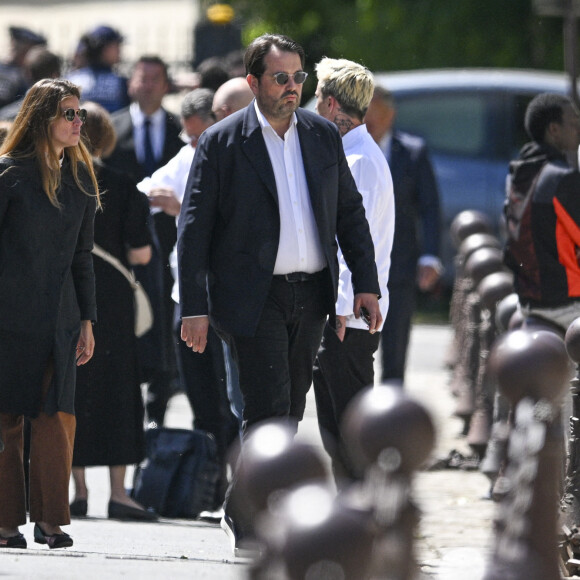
(48, 198)
(345, 362)
(108, 401)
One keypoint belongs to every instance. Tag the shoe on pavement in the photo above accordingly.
(17, 541)
(243, 546)
(120, 511)
(213, 517)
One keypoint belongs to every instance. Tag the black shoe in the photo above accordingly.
(120, 511)
(54, 541)
(78, 508)
(18, 541)
(243, 545)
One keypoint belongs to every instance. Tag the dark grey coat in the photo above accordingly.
(47, 286)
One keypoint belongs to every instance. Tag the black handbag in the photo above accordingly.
(179, 475)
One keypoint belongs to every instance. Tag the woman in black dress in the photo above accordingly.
(48, 198)
(109, 405)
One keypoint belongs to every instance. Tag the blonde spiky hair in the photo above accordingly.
(350, 83)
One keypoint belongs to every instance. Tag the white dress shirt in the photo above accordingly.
(373, 180)
(173, 174)
(157, 131)
(299, 248)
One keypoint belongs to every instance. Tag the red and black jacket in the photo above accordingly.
(542, 212)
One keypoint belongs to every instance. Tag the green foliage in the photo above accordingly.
(410, 34)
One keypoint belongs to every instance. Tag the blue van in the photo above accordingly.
(472, 120)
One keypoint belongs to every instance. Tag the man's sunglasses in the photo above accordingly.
(282, 78)
(69, 114)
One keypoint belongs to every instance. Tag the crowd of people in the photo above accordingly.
(265, 236)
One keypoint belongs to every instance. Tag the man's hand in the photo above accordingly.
(427, 277)
(340, 327)
(194, 332)
(371, 303)
(164, 198)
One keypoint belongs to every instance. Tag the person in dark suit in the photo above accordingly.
(147, 138)
(414, 258)
(268, 195)
(49, 195)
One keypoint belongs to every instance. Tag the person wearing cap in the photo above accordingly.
(101, 49)
(13, 83)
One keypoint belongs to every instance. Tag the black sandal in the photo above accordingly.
(18, 541)
(54, 541)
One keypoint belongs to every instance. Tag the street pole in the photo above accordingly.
(571, 48)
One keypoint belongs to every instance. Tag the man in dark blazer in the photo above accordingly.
(268, 195)
(414, 257)
(148, 84)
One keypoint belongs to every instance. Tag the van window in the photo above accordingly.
(452, 123)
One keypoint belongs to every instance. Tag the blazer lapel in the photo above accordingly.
(254, 147)
(310, 147)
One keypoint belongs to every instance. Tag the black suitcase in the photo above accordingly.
(179, 475)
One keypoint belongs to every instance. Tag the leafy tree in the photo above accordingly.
(390, 35)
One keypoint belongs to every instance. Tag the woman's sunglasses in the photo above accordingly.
(69, 114)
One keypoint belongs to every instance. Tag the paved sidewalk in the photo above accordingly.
(452, 540)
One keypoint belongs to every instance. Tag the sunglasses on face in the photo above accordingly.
(282, 78)
(69, 114)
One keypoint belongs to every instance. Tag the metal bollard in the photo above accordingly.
(491, 290)
(570, 501)
(531, 369)
(388, 436)
(481, 263)
(270, 463)
(461, 288)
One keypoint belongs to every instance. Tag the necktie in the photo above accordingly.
(149, 161)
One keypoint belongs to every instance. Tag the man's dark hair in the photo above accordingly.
(544, 109)
(213, 73)
(153, 59)
(41, 63)
(260, 47)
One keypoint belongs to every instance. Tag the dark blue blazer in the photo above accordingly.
(229, 226)
(416, 206)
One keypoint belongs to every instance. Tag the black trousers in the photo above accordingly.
(275, 365)
(396, 331)
(342, 369)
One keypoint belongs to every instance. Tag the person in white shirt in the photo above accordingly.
(344, 365)
(269, 194)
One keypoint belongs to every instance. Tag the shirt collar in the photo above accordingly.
(138, 117)
(354, 135)
(264, 122)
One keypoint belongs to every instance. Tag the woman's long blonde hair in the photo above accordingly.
(29, 137)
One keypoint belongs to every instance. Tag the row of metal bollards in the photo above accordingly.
(510, 378)
(306, 532)
(510, 375)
